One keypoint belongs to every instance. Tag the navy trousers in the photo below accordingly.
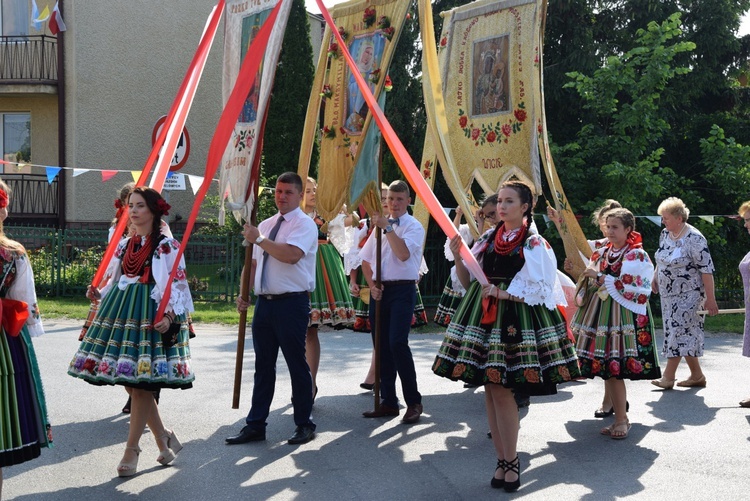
(396, 311)
(281, 323)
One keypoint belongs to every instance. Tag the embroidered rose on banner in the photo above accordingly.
(427, 170)
(493, 132)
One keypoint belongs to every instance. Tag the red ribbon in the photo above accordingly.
(14, 315)
(405, 162)
(222, 134)
(181, 104)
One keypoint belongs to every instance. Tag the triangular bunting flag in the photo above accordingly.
(546, 219)
(654, 219)
(108, 174)
(447, 210)
(195, 183)
(78, 172)
(710, 219)
(52, 173)
(136, 174)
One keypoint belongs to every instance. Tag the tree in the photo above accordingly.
(618, 144)
(291, 92)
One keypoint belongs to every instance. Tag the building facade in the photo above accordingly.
(89, 99)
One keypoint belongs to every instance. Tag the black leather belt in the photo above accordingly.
(274, 297)
(399, 282)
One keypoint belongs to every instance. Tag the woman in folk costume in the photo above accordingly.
(613, 327)
(24, 427)
(361, 293)
(124, 346)
(598, 218)
(453, 291)
(510, 334)
(330, 302)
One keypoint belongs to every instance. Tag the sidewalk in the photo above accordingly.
(685, 443)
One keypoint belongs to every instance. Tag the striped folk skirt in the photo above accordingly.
(449, 301)
(612, 341)
(122, 348)
(526, 348)
(362, 309)
(24, 426)
(331, 301)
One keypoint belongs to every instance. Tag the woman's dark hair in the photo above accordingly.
(526, 196)
(152, 197)
(489, 200)
(624, 215)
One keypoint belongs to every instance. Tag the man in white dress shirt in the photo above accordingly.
(283, 274)
(401, 258)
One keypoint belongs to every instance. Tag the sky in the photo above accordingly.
(312, 6)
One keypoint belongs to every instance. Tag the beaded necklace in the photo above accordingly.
(614, 257)
(504, 247)
(133, 260)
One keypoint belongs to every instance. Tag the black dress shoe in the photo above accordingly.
(246, 435)
(382, 412)
(302, 435)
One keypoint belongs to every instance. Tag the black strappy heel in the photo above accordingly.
(515, 467)
(499, 483)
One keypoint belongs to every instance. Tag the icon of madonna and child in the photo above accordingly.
(368, 53)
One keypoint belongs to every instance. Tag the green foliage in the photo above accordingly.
(291, 92)
(76, 265)
(727, 165)
(617, 150)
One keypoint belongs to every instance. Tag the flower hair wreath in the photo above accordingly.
(163, 206)
(3, 199)
(118, 204)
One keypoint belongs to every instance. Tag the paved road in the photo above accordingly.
(686, 443)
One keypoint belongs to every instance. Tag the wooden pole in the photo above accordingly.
(378, 284)
(244, 294)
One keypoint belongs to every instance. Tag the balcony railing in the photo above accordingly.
(28, 59)
(33, 197)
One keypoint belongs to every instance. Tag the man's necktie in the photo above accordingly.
(271, 236)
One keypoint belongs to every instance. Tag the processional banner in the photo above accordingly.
(238, 179)
(488, 65)
(337, 108)
(483, 95)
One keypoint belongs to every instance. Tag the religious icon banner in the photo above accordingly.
(243, 20)
(485, 122)
(337, 108)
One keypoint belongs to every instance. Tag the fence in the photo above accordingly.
(64, 261)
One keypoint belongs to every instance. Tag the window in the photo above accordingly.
(15, 17)
(15, 136)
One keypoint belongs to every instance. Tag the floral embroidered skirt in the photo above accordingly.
(331, 301)
(362, 309)
(526, 348)
(612, 341)
(449, 301)
(121, 346)
(24, 427)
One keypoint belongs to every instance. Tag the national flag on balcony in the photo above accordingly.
(36, 18)
(56, 23)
